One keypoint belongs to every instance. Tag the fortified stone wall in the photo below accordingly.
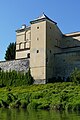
(21, 65)
(53, 39)
(66, 62)
(70, 41)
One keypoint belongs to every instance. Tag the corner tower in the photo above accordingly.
(42, 48)
(38, 49)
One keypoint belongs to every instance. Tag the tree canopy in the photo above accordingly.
(10, 52)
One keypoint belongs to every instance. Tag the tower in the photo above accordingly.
(44, 37)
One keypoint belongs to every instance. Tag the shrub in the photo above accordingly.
(43, 106)
(10, 52)
(4, 104)
(37, 95)
(33, 105)
(75, 76)
(13, 78)
(24, 104)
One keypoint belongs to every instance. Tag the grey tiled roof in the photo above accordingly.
(42, 17)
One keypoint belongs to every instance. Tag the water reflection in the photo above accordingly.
(16, 114)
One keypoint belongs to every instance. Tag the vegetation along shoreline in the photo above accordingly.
(22, 93)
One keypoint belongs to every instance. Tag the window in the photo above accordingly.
(28, 55)
(19, 46)
(24, 45)
(46, 60)
(37, 51)
(37, 38)
(50, 51)
(38, 27)
(50, 27)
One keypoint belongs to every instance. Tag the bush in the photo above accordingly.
(24, 104)
(13, 78)
(57, 96)
(33, 105)
(75, 76)
(15, 104)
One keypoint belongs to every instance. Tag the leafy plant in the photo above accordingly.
(75, 76)
(13, 78)
(10, 52)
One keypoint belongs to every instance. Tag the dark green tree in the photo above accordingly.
(10, 52)
(75, 76)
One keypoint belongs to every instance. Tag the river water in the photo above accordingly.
(16, 114)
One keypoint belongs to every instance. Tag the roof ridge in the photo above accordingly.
(42, 17)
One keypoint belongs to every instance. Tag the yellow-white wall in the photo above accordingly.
(22, 54)
(23, 42)
(38, 44)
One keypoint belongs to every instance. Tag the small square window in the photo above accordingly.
(50, 51)
(28, 55)
(37, 38)
(38, 27)
(37, 51)
(47, 60)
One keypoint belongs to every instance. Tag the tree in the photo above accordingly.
(75, 76)
(10, 52)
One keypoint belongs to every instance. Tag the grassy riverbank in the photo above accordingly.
(59, 96)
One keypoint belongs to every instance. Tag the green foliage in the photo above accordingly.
(24, 104)
(13, 78)
(75, 76)
(33, 105)
(10, 52)
(57, 96)
(29, 78)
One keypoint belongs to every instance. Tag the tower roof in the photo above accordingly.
(42, 18)
(23, 28)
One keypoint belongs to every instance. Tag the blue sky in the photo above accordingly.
(14, 13)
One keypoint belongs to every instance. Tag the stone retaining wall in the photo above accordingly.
(18, 65)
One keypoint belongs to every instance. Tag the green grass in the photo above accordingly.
(59, 96)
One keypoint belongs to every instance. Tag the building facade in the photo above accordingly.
(51, 52)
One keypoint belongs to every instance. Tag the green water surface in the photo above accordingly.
(16, 114)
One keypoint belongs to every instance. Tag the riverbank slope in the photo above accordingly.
(59, 96)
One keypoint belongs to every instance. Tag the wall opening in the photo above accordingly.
(28, 55)
(37, 51)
